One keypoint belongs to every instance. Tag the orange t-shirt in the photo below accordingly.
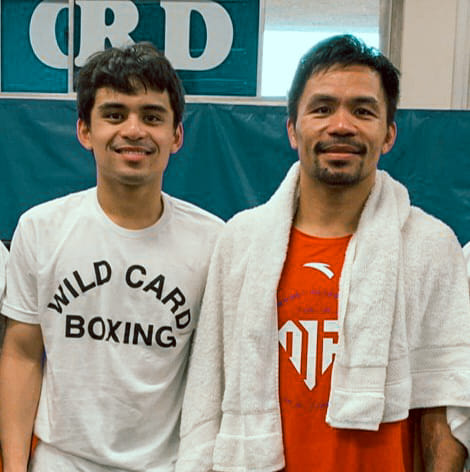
(308, 335)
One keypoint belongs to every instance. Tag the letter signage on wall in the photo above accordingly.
(214, 45)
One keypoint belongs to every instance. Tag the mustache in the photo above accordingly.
(147, 145)
(325, 146)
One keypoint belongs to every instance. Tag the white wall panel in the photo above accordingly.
(305, 14)
(427, 57)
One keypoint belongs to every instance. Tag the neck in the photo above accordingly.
(130, 207)
(328, 211)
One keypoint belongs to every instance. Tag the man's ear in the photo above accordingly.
(390, 138)
(178, 142)
(83, 134)
(291, 134)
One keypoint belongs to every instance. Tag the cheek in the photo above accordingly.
(304, 137)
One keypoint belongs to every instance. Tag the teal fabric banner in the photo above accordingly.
(234, 157)
(213, 45)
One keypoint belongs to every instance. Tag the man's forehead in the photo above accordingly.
(344, 80)
(139, 95)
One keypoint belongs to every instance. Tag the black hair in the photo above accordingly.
(344, 50)
(126, 70)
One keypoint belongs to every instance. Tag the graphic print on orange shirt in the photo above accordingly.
(307, 301)
(308, 321)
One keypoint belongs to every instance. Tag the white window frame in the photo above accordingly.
(461, 72)
(391, 29)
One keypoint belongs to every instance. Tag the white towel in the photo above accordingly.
(231, 413)
(372, 304)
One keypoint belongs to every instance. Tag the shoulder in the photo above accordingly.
(191, 210)
(431, 246)
(192, 222)
(49, 211)
(48, 221)
(428, 232)
(192, 213)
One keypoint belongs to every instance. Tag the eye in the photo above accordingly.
(152, 118)
(113, 116)
(364, 112)
(322, 110)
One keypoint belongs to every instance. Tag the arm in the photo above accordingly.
(20, 385)
(441, 451)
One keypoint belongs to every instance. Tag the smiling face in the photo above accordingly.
(131, 136)
(341, 128)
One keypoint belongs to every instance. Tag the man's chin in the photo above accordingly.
(337, 178)
(133, 179)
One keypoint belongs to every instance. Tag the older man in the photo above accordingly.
(336, 308)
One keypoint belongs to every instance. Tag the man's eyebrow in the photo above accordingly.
(322, 97)
(366, 100)
(319, 98)
(107, 105)
(154, 107)
(119, 106)
(363, 99)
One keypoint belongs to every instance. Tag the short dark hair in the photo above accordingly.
(125, 70)
(344, 50)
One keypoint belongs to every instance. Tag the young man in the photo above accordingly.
(108, 283)
(335, 308)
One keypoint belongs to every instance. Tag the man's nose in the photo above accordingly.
(133, 128)
(342, 123)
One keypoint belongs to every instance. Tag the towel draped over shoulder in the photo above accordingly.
(404, 331)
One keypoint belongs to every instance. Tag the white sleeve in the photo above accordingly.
(21, 301)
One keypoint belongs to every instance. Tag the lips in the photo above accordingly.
(133, 153)
(340, 148)
(132, 150)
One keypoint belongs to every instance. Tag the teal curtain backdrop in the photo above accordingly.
(234, 157)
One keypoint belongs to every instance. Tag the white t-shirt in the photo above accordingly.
(117, 308)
